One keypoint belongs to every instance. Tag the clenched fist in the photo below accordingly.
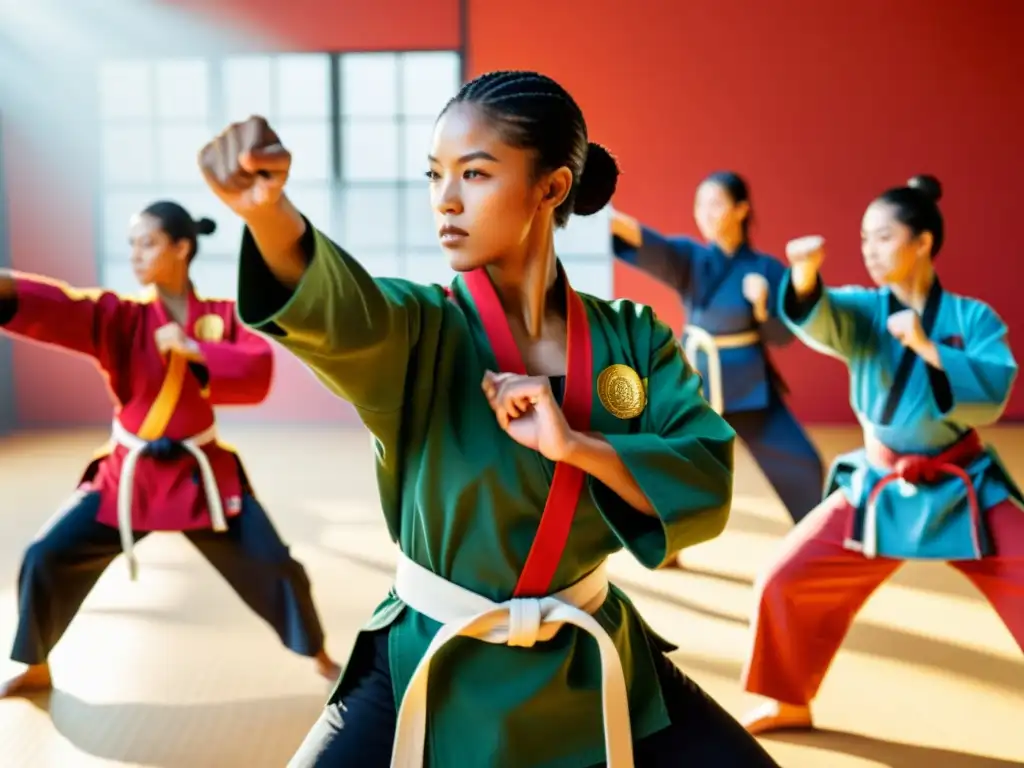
(906, 327)
(528, 412)
(172, 338)
(246, 166)
(803, 250)
(805, 255)
(755, 291)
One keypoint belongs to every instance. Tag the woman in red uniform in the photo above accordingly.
(169, 358)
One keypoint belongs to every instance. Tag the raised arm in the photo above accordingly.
(667, 259)
(89, 322)
(681, 460)
(354, 332)
(835, 321)
(980, 369)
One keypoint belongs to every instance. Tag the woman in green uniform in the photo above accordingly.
(524, 432)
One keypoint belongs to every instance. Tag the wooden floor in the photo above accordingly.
(174, 672)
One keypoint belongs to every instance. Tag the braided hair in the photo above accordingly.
(179, 224)
(532, 111)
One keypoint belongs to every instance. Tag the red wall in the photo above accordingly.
(820, 105)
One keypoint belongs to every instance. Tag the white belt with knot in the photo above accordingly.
(699, 340)
(126, 485)
(516, 622)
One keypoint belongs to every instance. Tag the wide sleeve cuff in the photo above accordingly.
(263, 302)
(690, 497)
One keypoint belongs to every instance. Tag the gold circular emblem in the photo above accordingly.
(621, 391)
(210, 328)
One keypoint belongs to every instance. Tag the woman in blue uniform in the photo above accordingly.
(730, 293)
(926, 368)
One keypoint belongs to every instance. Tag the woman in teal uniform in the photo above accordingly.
(523, 432)
(926, 368)
(730, 293)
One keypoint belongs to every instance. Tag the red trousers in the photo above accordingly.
(810, 596)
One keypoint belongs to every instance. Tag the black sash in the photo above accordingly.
(909, 357)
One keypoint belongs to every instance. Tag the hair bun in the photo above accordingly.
(597, 183)
(929, 185)
(205, 226)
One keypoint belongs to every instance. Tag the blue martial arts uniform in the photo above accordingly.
(913, 408)
(710, 284)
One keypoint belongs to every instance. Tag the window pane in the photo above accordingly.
(416, 141)
(178, 147)
(370, 218)
(590, 276)
(586, 235)
(428, 81)
(309, 143)
(116, 275)
(428, 267)
(420, 227)
(118, 209)
(183, 89)
(126, 89)
(128, 156)
(380, 263)
(369, 85)
(215, 278)
(370, 150)
(314, 200)
(302, 88)
(246, 87)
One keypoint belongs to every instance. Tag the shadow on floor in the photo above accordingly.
(878, 640)
(891, 754)
(255, 733)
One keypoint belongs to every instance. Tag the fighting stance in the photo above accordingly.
(169, 359)
(730, 294)
(524, 432)
(926, 368)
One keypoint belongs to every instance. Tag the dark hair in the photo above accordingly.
(916, 206)
(736, 188)
(534, 112)
(179, 225)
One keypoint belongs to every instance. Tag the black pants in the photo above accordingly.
(359, 733)
(64, 562)
(784, 453)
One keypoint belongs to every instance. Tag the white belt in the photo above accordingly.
(126, 485)
(516, 622)
(699, 340)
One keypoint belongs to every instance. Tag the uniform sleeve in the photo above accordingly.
(667, 259)
(354, 332)
(774, 330)
(89, 322)
(239, 368)
(683, 462)
(834, 321)
(981, 374)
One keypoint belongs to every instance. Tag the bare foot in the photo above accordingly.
(327, 667)
(777, 716)
(36, 677)
(674, 564)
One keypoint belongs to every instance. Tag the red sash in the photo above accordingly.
(567, 485)
(918, 469)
